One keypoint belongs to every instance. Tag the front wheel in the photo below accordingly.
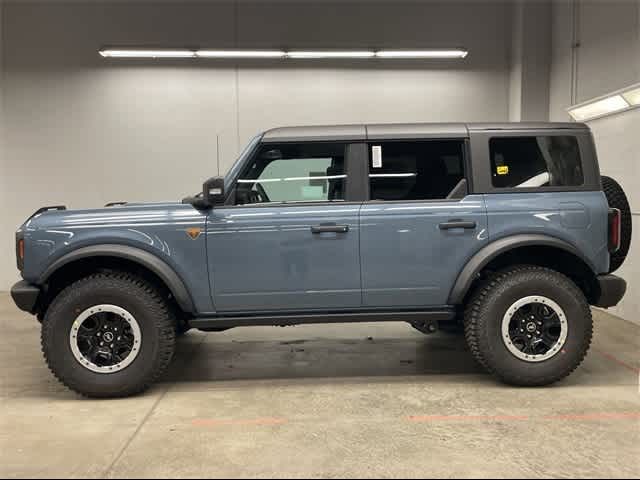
(108, 335)
(529, 325)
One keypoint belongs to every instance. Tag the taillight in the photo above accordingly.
(20, 251)
(615, 225)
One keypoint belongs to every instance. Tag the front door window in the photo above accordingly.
(308, 172)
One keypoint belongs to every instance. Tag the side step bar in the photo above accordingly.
(443, 314)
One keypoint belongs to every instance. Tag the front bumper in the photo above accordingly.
(612, 289)
(25, 295)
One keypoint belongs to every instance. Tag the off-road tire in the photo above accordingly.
(151, 312)
(617, 199)
(488, 305)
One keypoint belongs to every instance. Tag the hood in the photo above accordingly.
(122, 215)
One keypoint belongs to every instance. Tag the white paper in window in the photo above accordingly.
(376, 156)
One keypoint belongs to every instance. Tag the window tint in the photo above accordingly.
(425, 170)
(519, 162)
(304, 172)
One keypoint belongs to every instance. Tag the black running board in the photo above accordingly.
(444, 314)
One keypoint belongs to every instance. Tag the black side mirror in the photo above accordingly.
(212, 194)
(213, 191)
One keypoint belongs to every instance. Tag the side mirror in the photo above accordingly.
(213, 191)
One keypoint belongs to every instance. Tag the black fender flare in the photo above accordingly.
(487, 253)
(142, 257)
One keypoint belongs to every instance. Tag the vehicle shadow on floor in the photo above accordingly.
(204, 360)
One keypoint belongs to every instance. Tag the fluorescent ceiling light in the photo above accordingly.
(598, 108)
(295, 54)
(632, 96)
(331, 54)
(456, 53)
(240, 53)
(139, 53)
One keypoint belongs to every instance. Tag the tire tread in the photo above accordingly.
(475, 318)
(163, 317)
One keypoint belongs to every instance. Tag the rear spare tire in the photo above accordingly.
(617, 199)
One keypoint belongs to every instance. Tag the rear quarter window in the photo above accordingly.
(535, 162)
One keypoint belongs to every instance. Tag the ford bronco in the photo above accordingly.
(505, 230)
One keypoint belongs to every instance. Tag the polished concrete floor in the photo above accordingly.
(360, 400)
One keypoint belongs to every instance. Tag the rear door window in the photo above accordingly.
(535, 162)
(415, 170)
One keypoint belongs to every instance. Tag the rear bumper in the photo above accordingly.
(25, 295)
(612, 289)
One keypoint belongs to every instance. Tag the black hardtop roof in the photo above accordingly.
(404, 130)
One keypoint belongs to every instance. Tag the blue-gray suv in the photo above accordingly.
(506, 232)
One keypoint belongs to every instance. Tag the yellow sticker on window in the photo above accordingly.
(502, 170)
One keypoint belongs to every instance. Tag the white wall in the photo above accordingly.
(618, 145)
(83, 130)
(608, 55)
(607, 59)
(530, 57)
(5, 230)
(515, 61)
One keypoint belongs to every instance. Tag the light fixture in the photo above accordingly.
(240, 53)
(614, 102)
(330, 54)
(455, 53)
(142, 53)
(282, 54)
(632, 96)
(599, 108)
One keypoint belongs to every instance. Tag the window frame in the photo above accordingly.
(466, 167)
(482, 172)
(353, 185)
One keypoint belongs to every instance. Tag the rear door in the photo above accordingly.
(419, 226)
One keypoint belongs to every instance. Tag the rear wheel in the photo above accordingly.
(108, 335)
(529, 326)
(617, 199)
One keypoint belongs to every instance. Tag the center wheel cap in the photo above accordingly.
(105, 338)
(534, 328)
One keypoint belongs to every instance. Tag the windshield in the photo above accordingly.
(233, 171)
(235, 168)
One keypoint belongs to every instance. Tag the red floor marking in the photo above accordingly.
(444, 418)
(608, 356)
(213, 422)
(594, 416)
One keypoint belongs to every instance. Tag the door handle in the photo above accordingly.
(330, 229)
(457, 224)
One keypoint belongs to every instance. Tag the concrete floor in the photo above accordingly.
(359, 400)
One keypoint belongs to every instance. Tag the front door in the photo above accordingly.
(419, 227)
(290, 238)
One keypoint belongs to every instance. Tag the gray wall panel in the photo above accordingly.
(82, 130)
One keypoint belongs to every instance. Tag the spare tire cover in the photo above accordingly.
(617, 199)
